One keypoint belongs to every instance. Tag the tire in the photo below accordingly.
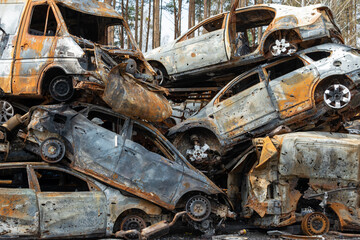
(162, 77)
(132, 222)
(315, 223)
(61, 88)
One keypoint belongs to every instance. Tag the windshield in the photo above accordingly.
(10, 15)
(98, 29)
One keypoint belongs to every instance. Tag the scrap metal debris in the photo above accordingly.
(80, 169)
(55, 57)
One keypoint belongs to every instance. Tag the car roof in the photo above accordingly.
(276, 7)
(91, 7)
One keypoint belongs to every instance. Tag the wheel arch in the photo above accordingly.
(47, 75)
(159, 65)
(267, 41)
(320, 86)
(185, 132)
(133, 211)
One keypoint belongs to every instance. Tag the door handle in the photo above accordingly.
(24, 45)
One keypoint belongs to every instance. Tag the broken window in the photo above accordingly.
(13, 178)
(250, 26)
(59, 181)
(150, 141)
(285, 67)
(121, 37)
(110, 122)
(98, 29)
(43, 21)
(316, 56)
(240, 86)
(10, 15)
(214, 25)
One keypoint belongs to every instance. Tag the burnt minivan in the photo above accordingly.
(54, 47)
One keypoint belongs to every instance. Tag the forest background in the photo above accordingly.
(156, 22)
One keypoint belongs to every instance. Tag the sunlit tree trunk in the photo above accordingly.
(156, 24)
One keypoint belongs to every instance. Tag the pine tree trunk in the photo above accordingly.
(141, 24)
(136, 20)
(179, 18)
(156, 24)
(205, 9)
(148, 27)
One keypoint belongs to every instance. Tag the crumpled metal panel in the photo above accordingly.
(321, 167)
(126, 95)
(74, 213)
(92, 7)
(118, 161)
(19, 214)
(327, 157)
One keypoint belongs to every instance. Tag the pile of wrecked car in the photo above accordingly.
(275, 137)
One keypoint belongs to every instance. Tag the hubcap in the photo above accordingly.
(281, 47)
(198, 153)
(6, 111)
(337, 96)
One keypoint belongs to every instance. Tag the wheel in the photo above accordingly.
(282, 47)
(161, 76)
(337, 96)
(6, 111)
(132, 222)
(198, 208)
(315, 223)
(52, 150)
(61, 88)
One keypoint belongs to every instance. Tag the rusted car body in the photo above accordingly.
(302, 174)
(221, 47)
(129, 155)
(51, 47)
(38, 200)
(314, 86)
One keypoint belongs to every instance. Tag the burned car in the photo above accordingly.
(221, 47)
(309, 178)
(38, 200)
(51, 48)
(129, 155)
(315, 87)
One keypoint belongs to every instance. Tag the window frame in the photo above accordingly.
(191, 31)
(91, 185)
(31, 186)
(237, 80)
(46, 21)
(265, 72)
(163, 144)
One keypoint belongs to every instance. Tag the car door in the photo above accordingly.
(36, 47)
(149, 166)
(201, 47)
(243, 105)
(67, 205)
(291, 84)
(10, 16)
(19, 213)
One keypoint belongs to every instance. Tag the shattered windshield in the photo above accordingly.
(98, 29)
(10, 17)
